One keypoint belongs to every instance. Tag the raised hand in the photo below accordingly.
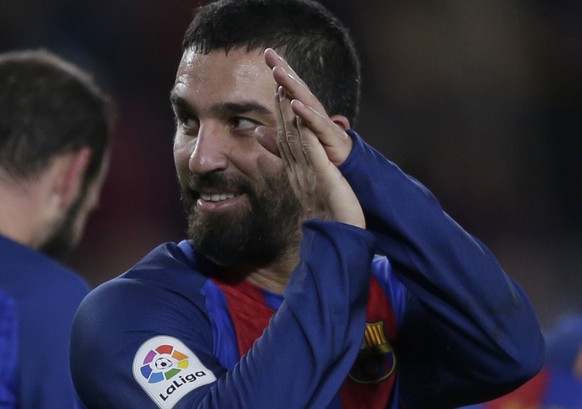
(334, 140)
(311, 146)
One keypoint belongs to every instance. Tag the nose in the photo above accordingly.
(209, 154)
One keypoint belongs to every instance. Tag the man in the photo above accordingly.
(317, 274)
(55, 136)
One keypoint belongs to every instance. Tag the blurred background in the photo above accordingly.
(481, 100)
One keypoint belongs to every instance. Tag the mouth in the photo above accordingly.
(218, 201)
(217, 197)
(215, 192)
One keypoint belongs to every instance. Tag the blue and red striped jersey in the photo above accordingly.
(412, 312)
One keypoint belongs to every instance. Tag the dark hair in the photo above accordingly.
(49, 107)
(313, 41)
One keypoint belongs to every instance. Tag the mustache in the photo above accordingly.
(217, 182)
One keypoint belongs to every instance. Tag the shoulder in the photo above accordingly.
(158, 297)
(35, 281)
(164, 285)
(166, 269)
(170, 266)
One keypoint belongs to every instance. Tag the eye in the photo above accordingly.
(243, 124)
(186, 120)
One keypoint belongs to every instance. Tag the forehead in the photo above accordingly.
(219, 77)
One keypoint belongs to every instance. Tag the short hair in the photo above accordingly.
(312, 40)
(49, 107)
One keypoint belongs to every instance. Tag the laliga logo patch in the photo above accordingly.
(167, 370)
(376, 361)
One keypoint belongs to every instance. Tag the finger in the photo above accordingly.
(292, 131)
(281, 140)
(284, 75)
(312, 150)
(273, 60)
(296, 88)
(334, 139)
(326, 130)
(267, 138)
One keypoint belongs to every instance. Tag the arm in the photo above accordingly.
(487, 340)
(308, 349)
(300, 361)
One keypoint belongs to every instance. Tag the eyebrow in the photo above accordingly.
(225, 108)
(242, 107)
(177, 101)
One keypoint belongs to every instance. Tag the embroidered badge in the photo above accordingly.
(167, 370)
(376, 361)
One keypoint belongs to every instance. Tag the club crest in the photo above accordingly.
(376, 361)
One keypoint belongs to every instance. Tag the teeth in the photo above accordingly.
(217, 197)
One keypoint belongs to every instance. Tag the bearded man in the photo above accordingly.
(316, 273)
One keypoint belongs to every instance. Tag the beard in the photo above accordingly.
(63, 237)
(256, 234)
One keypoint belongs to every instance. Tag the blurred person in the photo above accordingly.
(316, 273)
(559, 384)
(55, 138)
(8, 349)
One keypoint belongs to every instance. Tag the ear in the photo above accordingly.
(72, 176)
(341, 121)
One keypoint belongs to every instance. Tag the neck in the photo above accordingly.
(272, 277)
(18, 213)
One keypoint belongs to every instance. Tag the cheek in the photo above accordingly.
(270, 164)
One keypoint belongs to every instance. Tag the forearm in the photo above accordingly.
(305, 354)
(300, 361)
(476, 310)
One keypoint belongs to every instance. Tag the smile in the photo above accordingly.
(215, 202)
(217, 197)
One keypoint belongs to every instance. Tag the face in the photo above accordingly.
(67, 231)
(241, 208)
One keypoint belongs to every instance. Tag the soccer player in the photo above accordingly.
(55, 132)
(316, 273)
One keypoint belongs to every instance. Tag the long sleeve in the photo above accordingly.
(299, 362)
(484, 335)
(310, 344)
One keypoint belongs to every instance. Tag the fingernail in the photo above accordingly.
(296, 101)
(260, 131)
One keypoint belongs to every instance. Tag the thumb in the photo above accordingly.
(267, 137)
